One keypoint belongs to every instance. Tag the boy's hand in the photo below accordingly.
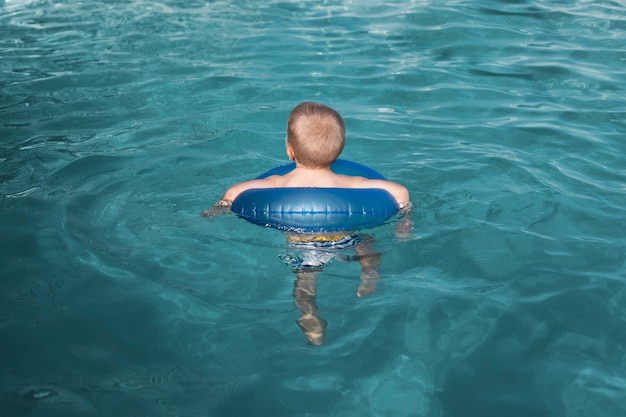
(218, 208)
(404, 226)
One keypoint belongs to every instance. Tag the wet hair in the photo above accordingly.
(316, 133)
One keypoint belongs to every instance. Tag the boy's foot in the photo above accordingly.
(313, 328)
(369, 278)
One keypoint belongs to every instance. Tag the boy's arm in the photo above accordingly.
(404, 226)
(223, 205)
(399, 192)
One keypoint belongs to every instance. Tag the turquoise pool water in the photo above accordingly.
(120, 121)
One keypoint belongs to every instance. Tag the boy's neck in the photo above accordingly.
(300, 167)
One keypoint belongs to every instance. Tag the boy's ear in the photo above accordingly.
(290, 154)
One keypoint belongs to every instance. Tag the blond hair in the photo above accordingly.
(316, 133)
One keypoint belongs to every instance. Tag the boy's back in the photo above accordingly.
(319, 178)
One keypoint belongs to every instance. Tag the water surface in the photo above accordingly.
(120, 121)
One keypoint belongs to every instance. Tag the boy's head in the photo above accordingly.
(316, 133)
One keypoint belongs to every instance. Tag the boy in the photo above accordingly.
(315, 138)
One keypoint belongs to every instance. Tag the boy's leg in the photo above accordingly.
(369, 260)
(312, 326)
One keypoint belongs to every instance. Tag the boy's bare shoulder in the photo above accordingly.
(362, 182)
(398, 191)
(239, 188)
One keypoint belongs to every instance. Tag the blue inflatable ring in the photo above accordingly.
(317, 209)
